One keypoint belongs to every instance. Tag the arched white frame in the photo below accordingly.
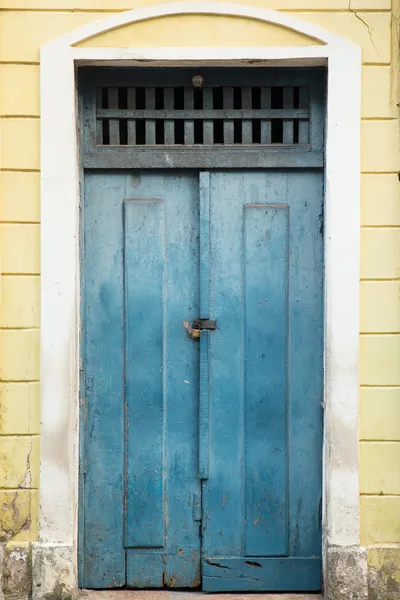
(60, 191)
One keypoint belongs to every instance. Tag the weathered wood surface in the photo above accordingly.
(244, 249)
(197, 157)
(262, 497)
(141, 279)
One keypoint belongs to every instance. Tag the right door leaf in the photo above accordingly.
(261, 504)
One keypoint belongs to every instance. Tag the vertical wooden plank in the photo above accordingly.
(150, 103)
(266, 124)
(247, 128)
(288, 123)
(99, 122)
(204, 184)
(169, 124)
(181, 366)
(306, 318)
(144, 338)
(131, 103)
(114, 123)
(204, 181)
(104, 377)
(208, 125)
(88, 105)
(223, 490)
(189, 125)
(317, 100)
(228, 104)
(265, 357)
(304, 124)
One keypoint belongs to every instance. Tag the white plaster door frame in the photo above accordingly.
(55, 555)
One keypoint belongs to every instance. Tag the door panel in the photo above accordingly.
(263, 494)
(141, 488)
(265, 264)
(144, 274)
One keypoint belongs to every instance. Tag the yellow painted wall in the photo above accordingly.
(24, 26)
(188, 30)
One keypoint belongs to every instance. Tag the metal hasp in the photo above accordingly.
(205, 324)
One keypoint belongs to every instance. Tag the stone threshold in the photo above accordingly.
(196, 595)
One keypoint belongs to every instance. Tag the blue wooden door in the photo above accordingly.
(201, 458)
(262, 497)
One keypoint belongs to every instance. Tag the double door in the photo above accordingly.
(201, 451)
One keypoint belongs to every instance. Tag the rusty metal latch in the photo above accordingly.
(199, 324)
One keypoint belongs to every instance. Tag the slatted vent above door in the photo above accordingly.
(202, 117)
(215, 115)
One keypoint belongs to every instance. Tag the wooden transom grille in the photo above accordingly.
(208, 116)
